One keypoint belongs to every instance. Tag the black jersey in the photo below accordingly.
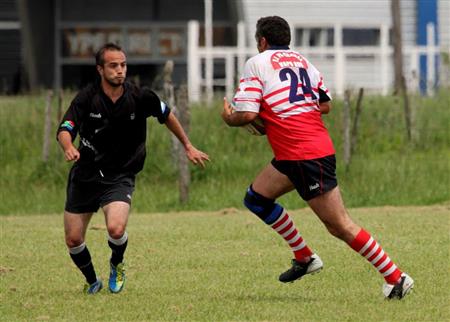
(112, 135)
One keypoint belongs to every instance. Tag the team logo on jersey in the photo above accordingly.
(68, 125)
(163, 107)
(285, 59)
(95, 116)
(313, 187)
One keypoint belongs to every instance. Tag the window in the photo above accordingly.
(361, 37)
(324, 36)
(314, 37)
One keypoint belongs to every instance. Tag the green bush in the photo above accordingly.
(386, 169)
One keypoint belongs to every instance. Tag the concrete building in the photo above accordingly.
(50, 43)
(360, 23)
(11, 70)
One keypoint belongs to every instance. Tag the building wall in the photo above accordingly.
(141, 10)
(350, 14)
(40, 28)
(8, 10)
(346, 12)
(10, 48)
(101, 16)
(444, 23)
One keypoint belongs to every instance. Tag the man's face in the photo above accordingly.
(261, 44)
(114, 70)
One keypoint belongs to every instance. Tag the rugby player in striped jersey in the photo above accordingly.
(286, 91)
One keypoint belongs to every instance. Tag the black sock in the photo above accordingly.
(82, 258)
(118, 247)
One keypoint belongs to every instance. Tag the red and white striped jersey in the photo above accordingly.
(285, 89)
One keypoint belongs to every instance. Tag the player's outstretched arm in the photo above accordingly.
(196, 156)
(70, 151)
(236, 118)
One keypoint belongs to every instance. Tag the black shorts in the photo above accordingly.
(89, 196)
(311, 178)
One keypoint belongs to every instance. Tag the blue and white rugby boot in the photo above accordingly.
(94, 287)
(116, 277)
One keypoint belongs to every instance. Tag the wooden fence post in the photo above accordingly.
(407, 109)
(354, 133)
(60, 105)
(347, 128)
(183, 162)
(47, 126)
(182, 113)
(169, 97)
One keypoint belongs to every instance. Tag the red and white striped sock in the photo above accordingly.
(372, 251)
(286, 228)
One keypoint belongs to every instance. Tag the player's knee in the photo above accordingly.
(116, 231)
(73, 241)
(263, 207)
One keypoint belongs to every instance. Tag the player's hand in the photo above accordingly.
(71, 154)
(196, 156)
(227, 110)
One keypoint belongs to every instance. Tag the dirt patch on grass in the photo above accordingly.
(4, 270)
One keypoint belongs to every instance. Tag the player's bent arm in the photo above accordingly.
(325, 107)
(236, 118)
(240, 118)
(70, 151)
(196, 156)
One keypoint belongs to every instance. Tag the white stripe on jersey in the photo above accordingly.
(296, 111)
(269, 77)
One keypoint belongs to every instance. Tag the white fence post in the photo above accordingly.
(339, 61)
(414, 70)
(209, 60)
(241, 47)
(384, 55)
(229, 75)
(193, 62)
(431, 59)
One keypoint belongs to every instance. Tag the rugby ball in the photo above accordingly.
(256, 127)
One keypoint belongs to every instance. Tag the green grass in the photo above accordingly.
(224, 266)
(386, 169)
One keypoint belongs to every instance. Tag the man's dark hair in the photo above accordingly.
(275, 29)
(100, 54)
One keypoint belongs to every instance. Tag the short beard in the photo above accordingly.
(112, 84)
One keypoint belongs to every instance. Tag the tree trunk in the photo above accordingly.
(183, 162)
(400, 81)
(397, 42)
(181, 110)
(354, 133)
(169, 97)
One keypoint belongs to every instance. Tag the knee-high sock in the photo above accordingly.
(285, 227)
(118, 247)
(372, 251)
(82, 258)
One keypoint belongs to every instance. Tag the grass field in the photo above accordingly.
(224, 266)
(386, 169)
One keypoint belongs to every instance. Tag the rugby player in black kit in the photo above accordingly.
(110, 116)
